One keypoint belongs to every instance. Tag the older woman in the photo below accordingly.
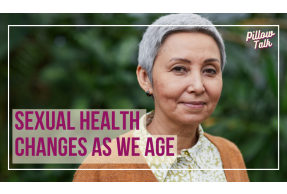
(180, 67)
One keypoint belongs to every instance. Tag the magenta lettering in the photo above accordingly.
(123, 147)
(87, 120)
(17, 146)
(105, 118)
(136, 120)
(19, 120)
(39, 120)
(94, 120)
(82, 146)
(109, 151)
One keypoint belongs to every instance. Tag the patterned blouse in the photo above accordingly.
(203, 155)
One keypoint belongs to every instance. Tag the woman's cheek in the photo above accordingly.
(214, 89)
(167, 89)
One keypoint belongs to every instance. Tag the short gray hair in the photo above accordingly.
(155, 35)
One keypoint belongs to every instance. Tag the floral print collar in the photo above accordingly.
(203, 155)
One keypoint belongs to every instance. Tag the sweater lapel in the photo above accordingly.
(224, 150)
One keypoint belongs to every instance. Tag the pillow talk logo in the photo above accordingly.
(261, 39)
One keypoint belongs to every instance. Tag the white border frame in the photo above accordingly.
(143, 26)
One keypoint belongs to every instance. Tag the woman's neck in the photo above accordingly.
(186, 134)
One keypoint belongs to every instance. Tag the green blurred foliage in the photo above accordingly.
(94, 67)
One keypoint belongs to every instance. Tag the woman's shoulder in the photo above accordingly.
(231, 158)
(230, 154)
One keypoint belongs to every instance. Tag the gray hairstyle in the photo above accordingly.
(154, 37)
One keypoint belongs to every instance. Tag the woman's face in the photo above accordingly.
(187, 78)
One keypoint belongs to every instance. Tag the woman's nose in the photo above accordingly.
(195, 83)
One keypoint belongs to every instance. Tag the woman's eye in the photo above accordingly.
(179, 69)
(210, 71)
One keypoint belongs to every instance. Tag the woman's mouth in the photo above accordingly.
(194, 104)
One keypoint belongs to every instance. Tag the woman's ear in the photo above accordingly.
(143, 79)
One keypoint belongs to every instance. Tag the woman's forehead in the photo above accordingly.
(189, 44)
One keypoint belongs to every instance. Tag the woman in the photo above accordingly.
(180, 67)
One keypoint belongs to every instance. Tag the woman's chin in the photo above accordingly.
(191, 116)
(191, 119)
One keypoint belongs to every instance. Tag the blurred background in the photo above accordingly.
(94, 68)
